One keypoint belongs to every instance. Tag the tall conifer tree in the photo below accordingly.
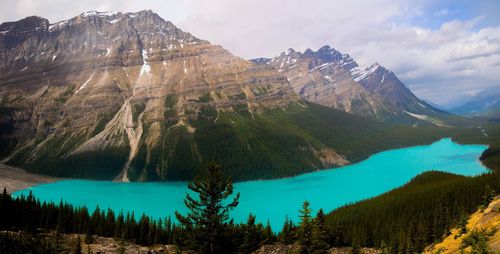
(208, 216)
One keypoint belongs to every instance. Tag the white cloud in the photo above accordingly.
(440, 64)
(437, 63)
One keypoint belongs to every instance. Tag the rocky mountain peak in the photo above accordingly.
(328, 53)
(144, 21)
(325, 56)
(289, 51)
(331, 78)
(118, 37)
(32, 24)
(359, 74)
(112, 80)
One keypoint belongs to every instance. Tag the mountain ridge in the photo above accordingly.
(485, 103)
(132, 97)
(334, 79)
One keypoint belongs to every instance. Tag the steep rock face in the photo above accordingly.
(323, 77)
(333, 79)
(115, 82)
(383, 82)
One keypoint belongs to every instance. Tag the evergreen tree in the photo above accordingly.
(268, 234)
(489, 195)
(319, 243)
(286, 236)
(158, 232)
(119, 226)
(206, 223)
(251, 237)
(462, 224)
(168, 230)
(144, 230)
(305, 228)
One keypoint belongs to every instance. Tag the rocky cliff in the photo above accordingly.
(115, 80)
(334, 79)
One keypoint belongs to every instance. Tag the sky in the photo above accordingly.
(443, 50)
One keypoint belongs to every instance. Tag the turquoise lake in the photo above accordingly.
(274, 199)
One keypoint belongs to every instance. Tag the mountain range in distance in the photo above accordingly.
(129, 96)
(483, 104)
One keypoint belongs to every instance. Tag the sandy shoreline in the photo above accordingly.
(15, 179)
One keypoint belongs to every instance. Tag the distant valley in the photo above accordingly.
(485, 104)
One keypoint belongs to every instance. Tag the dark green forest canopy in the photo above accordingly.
(271, 144)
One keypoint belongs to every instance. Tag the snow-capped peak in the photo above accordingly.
(374, 66)
(98, 13)
(289, 51)
(359, 74)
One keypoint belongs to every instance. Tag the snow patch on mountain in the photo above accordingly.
(421, 117)
(97, 13)
(145, 66)
(58, 25)
(358, 74)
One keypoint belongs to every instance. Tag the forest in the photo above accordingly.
(404, 220)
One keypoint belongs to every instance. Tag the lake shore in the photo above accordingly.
(15, 179)
(374, 176)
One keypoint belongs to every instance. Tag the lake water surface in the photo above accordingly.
(274, 199)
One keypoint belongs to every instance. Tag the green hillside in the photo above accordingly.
(270, 144)
(275, 143)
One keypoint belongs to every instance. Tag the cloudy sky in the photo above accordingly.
(442, 50)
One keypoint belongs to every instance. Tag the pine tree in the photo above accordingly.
(319, 243)
(489, 195)
(462, 224)
(251, 236)
(144, 230)
(119, 226)
(305, 228)
(168, 230)
(110, 226)
(206, 223)
(286, 235)
(157, 232)
(268, 234)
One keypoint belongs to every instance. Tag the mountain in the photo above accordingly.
(484, 103)
(455, 102)
(129, 96)
(334, 79)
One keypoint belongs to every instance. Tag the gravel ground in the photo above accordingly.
(15, 179)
